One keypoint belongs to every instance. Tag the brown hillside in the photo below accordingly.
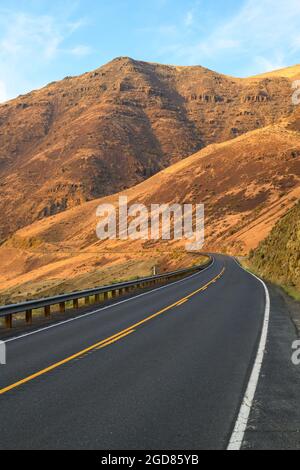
(86, 137)
(247, 184)
(292, 72)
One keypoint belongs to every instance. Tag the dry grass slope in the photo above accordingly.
(278, 257)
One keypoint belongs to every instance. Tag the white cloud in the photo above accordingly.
(264, 64)
(26, 34)
(30, 43)
(80, 50)
(189, 19)
(263, 32)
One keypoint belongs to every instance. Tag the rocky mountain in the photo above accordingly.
(247, 184)
(93, 135)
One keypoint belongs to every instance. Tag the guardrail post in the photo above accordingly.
(28, 316)
(47, 311)
(111, 291)
(8, 321)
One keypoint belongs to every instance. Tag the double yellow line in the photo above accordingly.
(108, 341)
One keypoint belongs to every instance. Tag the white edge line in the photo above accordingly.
(79, 317)
(237, 437)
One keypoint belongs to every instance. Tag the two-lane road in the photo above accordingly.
(167, 369)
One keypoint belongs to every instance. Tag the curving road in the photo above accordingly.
(167, 369)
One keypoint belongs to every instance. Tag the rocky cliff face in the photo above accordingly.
(90, 136)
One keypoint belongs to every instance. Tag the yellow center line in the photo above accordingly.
(115, 340)
(107, 341)
(182, 302)
(101, 344)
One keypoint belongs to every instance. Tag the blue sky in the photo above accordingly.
(46, 40)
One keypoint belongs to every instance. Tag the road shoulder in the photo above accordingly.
(275, 416)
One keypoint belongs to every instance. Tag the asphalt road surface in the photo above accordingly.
(167, 369)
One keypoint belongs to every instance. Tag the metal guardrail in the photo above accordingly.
(100, 294)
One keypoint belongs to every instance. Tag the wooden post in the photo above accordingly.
(87, 301)
(47, 311)
(105, 296)
(97, 298)
(75, 304)
(28, 317)
(62, 307)
(8, 321)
